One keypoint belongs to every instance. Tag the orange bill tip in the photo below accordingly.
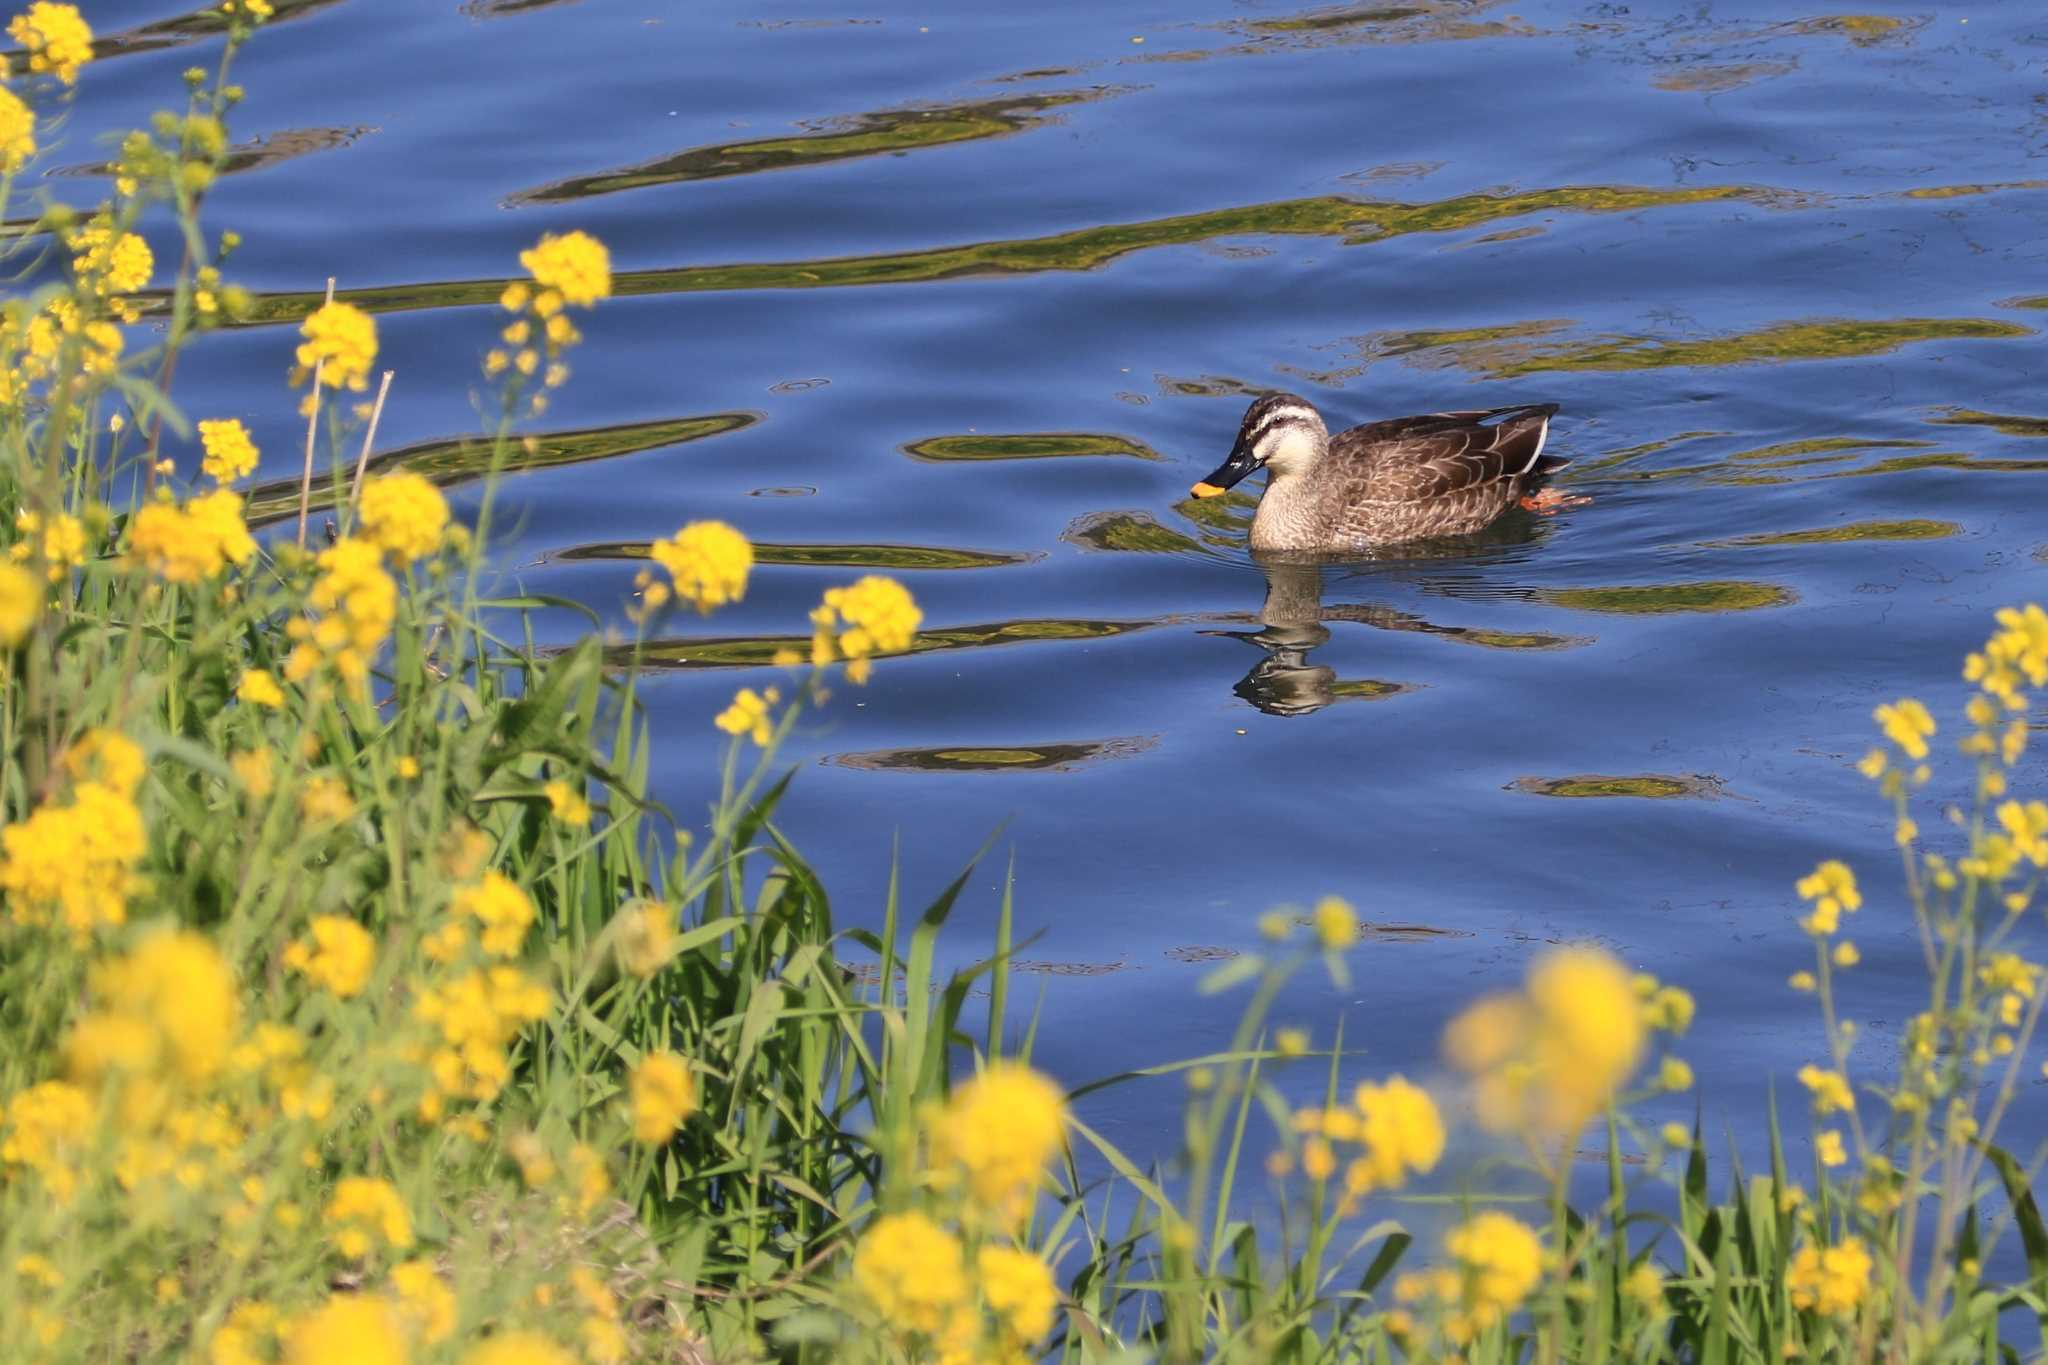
(1206, 490)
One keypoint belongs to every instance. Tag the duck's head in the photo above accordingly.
(1281, 431)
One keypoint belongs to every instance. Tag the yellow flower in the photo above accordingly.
(879, 617)
(646, 937)
(477, 1015)
(567, 803)
(573, 264)
(749, 715)
(408, 767)
(426, 1299)
(911, 1270)
(1830, 1089)
(1669, 1009)
(341, 341)
(1828, 1146)
(405, 516)
(74, 861)
(337, 956)
(1907, 724)
(230, 454)
(236, 1343)
(176, 993)
(1550, 1059)
(109, 757)
(349, 1329)
(1802, 981)
(1401, 1132)
(502, 908)
(325, 801)
(64, 542)
(661, 1094)
(45, 1127)
(1018, 1288)
(259, 688)
(355, 603)
(518, 1348)
(1674, 1075)
(1831, 886)
(1336, 924)
(1646, 1287)
(193, 543)
(56, 38)
(1501, 1262)
(39, 1269)
(708, 561)
(364, 1212)
(1831, 1281)
(1676, 1135)
(17, 132)
(1290, 1042)
(21, 602)
(587, 1174)
(1000, 1129)
(1845, 954)
(255, 770)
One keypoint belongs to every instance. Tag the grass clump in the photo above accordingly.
(357, 1003)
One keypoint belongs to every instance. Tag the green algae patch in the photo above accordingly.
(997, 758)
(1128, 532)
(464, 459)
(883, 133)
(2008, 424)
(1816, 339)
(1368, 689)
(1034, 445)
(1645, 787)
(1911, 529)
(1658, 599)
(754, 651)
(906, 558)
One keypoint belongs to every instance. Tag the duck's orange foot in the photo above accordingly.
(1548, 502)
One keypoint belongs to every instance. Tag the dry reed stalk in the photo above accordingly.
(355, 492)
(312, 429)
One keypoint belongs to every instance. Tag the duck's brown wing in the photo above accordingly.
(1418, 459)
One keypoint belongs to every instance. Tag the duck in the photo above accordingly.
(1409, 478)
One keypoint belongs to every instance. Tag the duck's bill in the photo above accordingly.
(1227, 475)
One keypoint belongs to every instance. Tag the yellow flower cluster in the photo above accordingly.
(1544, 1061)
(646, 937)
(574, 265)
(230, 454)
(503, 910)
(1496, 1260)
(1907, 724)
(477, 1016)
(17, 132)
(1396, 1127)
(660, 1094)
(2014, 980)
(1336, 924)
(1830, 1089)
(169, 1004)
(750, 714)
(111, 265)
(2017, 653)
(707, 561)
(874, 616)
(1831, 886)
(192, 543)
(355, 603)
(74, 862)
(60, 538)
(570, 269)
(913, 1271)
(364, 1212)
(405, 516)
(259, 688)
(1831, 1281)
(341, 343)
(568, 803)
(21, 604)
(995, 1136)
(336, 955)
(56, 38)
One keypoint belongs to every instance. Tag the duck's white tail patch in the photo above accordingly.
(1536, 455)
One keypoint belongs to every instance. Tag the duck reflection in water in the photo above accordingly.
(1292, 618)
